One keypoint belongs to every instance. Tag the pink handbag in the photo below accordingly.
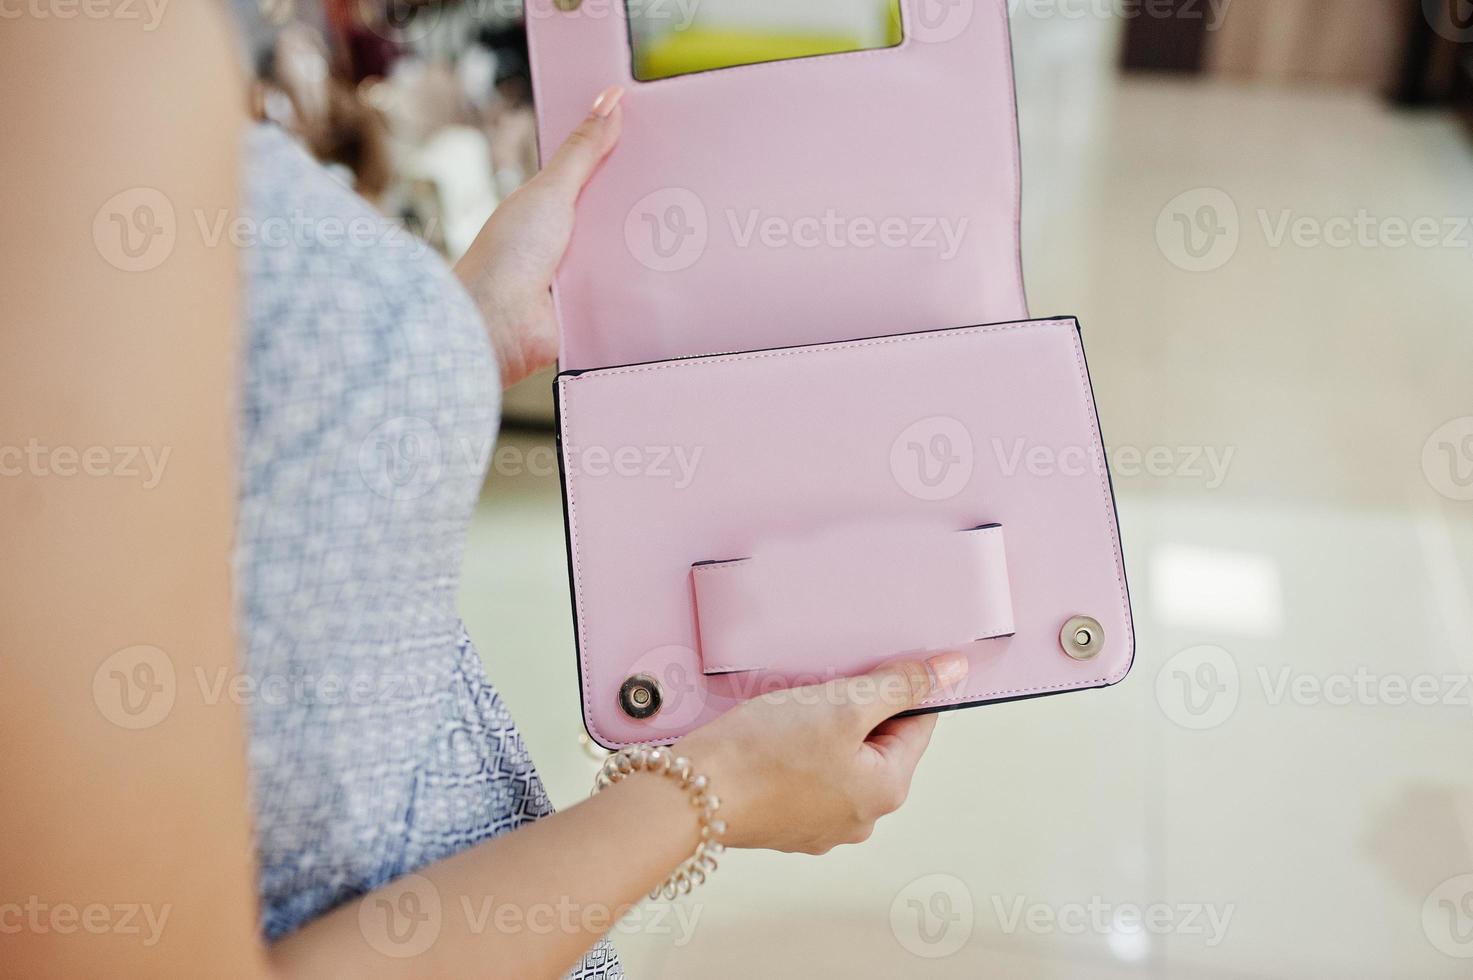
(786, 454)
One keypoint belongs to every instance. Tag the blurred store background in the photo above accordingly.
(1223, 191)
(425, 106)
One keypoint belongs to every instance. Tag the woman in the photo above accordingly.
(355, 776)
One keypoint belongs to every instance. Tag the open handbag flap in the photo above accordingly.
(773, 523)
(791, 202)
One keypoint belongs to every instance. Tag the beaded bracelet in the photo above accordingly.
(645, 758)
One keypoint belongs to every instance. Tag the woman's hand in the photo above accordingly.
(508, 269)
(811, 767)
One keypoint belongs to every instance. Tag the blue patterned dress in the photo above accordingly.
(369, 406)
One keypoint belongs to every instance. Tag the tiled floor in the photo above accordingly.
(1278, 827)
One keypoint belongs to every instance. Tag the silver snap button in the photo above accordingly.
(640, 697)
(1082, 637)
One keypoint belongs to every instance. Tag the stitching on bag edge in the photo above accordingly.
(722, 566)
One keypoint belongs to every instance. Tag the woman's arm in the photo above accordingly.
(125, 836)
(526, 904)
(125, 847)
(800, 770)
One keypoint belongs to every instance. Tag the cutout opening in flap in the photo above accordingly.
(672, 38)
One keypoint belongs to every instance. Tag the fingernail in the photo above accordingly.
(948, 669)
(607, 100)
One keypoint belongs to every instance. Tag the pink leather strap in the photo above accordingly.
(794, 605)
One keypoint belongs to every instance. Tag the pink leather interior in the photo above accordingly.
(762, 454)
(794, 202)
(847, 594)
